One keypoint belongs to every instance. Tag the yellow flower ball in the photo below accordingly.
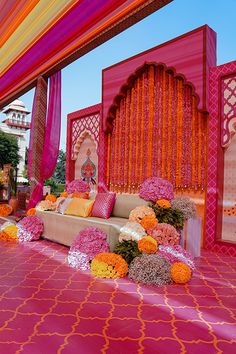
(180, 273)
(147, 244)
(109, 265)
(163, 203)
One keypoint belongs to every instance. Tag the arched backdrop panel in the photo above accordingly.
(157, 131)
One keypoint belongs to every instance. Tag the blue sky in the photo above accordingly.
(81, 80)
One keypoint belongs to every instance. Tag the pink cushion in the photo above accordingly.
(103, 205)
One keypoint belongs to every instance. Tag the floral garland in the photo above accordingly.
(150, 269)
(109, 265)
(78, 185)
(30, 228)
(156, 188)
(164, 234)
(90, 241)
(131, 231)
(138, 213)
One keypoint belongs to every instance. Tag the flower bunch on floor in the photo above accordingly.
(150, 269)
(9, 232)
(30, 228)
(109, 265)
(90, 241)
(78, 185)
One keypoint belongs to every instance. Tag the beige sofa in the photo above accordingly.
(63, 228)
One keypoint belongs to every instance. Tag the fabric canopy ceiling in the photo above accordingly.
(38, 37)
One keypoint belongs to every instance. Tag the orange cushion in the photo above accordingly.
(80, 207)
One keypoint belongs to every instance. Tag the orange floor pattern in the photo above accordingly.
(47, 307)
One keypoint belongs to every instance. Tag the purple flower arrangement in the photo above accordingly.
(156, 188)
(150, 269)
(30, 228)
(78, 185)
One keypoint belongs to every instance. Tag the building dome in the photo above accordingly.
(16, 105)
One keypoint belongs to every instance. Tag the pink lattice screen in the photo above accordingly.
(222, 94)
(80, 124)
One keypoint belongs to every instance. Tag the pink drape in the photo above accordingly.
(51, 139)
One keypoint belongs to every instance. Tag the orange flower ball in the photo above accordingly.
(64, 194)
(83, 195)
(51, 197)
(148, 221)
(147, 244)
(180, 273)
(5, 209)
(31, 211)
(163, 203)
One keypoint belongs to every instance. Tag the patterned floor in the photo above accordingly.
(47, 307)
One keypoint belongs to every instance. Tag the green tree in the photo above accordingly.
(59, 174)
(8, 150)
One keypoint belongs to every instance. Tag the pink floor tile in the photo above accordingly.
(46, 304)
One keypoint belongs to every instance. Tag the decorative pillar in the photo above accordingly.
(38, 130)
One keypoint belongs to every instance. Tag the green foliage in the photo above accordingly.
(56, 188)
(174, 217)
(60, 170)
(128, 250)
(8, 150)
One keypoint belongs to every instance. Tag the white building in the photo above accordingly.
(16, 124)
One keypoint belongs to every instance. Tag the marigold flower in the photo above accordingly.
(147, 244)
(163, 203)
(109, 265)
(180, 273)
(64, 194)
(5, 209)
(51, 197)
(148, 221)
(31, 211)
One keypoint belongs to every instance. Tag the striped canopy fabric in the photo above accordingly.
(39, 37)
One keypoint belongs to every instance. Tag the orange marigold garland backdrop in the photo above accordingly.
(158, 131)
